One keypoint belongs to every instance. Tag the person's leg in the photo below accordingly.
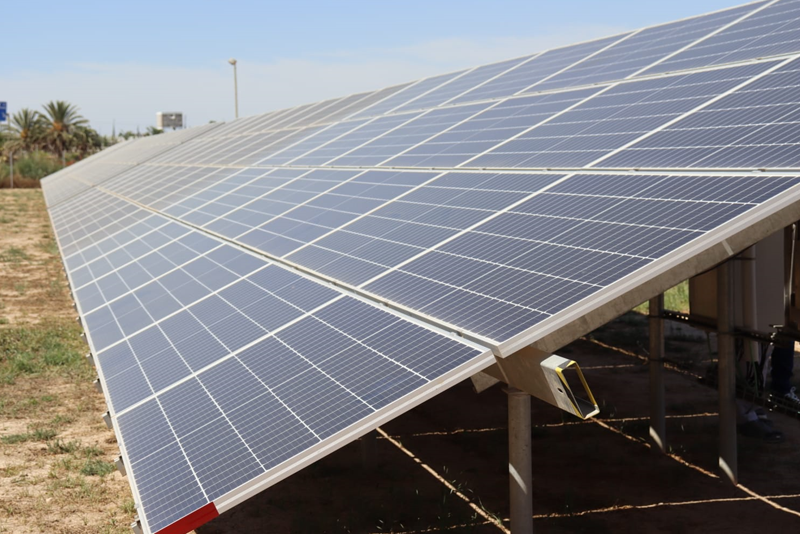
(782, 364)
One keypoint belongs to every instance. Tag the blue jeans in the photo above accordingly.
(782, 364)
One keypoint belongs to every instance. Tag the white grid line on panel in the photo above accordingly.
(374, 119)
(231, 354)
(499, 74)
(343, 114)
(153, 279)
(718, 235)
(621, 39)
(314, 134)
(416, 318)
(492, 106)
(255, 146)
(114, 415)
(708, 36)
(544, 121)
(705, 104)
(166, 146)
(329, 141)
(260, 197)
(303, 122)
(468, 229)
(410, 102)
(232, 209)
(118, 247)
(267, 171)
(365, 214)
(264, 172)
(354, 431)
(182, 308)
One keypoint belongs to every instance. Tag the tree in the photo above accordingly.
(85, 140)
(152, 130)
(25, 127)
(60, 120)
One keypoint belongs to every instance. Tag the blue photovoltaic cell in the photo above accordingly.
(757, 126)
(641, 49)
(353, 139)
(259, 153)
(275, 203)
(310, 143)
(230, 194)
(771, 31)
(301, 379)
(532, 72)
(410, 93)
(611, 119)
(487, 129)
(409, 134)
(561, 246)
(459, 85)
(406, 227)
(331, 210)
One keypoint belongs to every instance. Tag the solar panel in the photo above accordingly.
(174, 315)
(771, 29)
(408, 95)
(754, 127)
(610, 120)
(631, 55)
(259, 293)
(537, 69)
(460, 85)
(488, 129)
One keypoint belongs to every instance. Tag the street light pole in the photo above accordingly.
(235, 87)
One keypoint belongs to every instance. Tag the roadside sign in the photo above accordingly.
(3, 109)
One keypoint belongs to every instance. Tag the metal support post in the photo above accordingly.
(749, 365)
(727, 373)
(658, 430)
(519, 461)
(369, 453)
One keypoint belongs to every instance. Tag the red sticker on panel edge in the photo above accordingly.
(199, 517)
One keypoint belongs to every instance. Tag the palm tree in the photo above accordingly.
(60, 119)
(85, 140)
(26, 128)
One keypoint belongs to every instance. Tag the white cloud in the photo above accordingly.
(131, 94)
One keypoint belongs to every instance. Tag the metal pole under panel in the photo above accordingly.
(657, 408)
(520, 470)
(727, 373)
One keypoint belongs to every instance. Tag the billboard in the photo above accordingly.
(169, 119)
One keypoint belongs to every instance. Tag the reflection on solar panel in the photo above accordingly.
(259, 293)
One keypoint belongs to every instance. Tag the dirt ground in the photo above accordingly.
(440, 468)
(56, 454)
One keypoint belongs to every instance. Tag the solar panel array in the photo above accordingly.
(258, 293)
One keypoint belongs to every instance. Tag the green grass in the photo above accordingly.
(97, 467)
(37, 434)
(62, 447)
(13, 255)
(675, 299)
(50, 347)
(12, 439)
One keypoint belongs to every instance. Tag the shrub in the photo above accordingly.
(36, 165)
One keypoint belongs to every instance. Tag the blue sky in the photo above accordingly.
(126, 60)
